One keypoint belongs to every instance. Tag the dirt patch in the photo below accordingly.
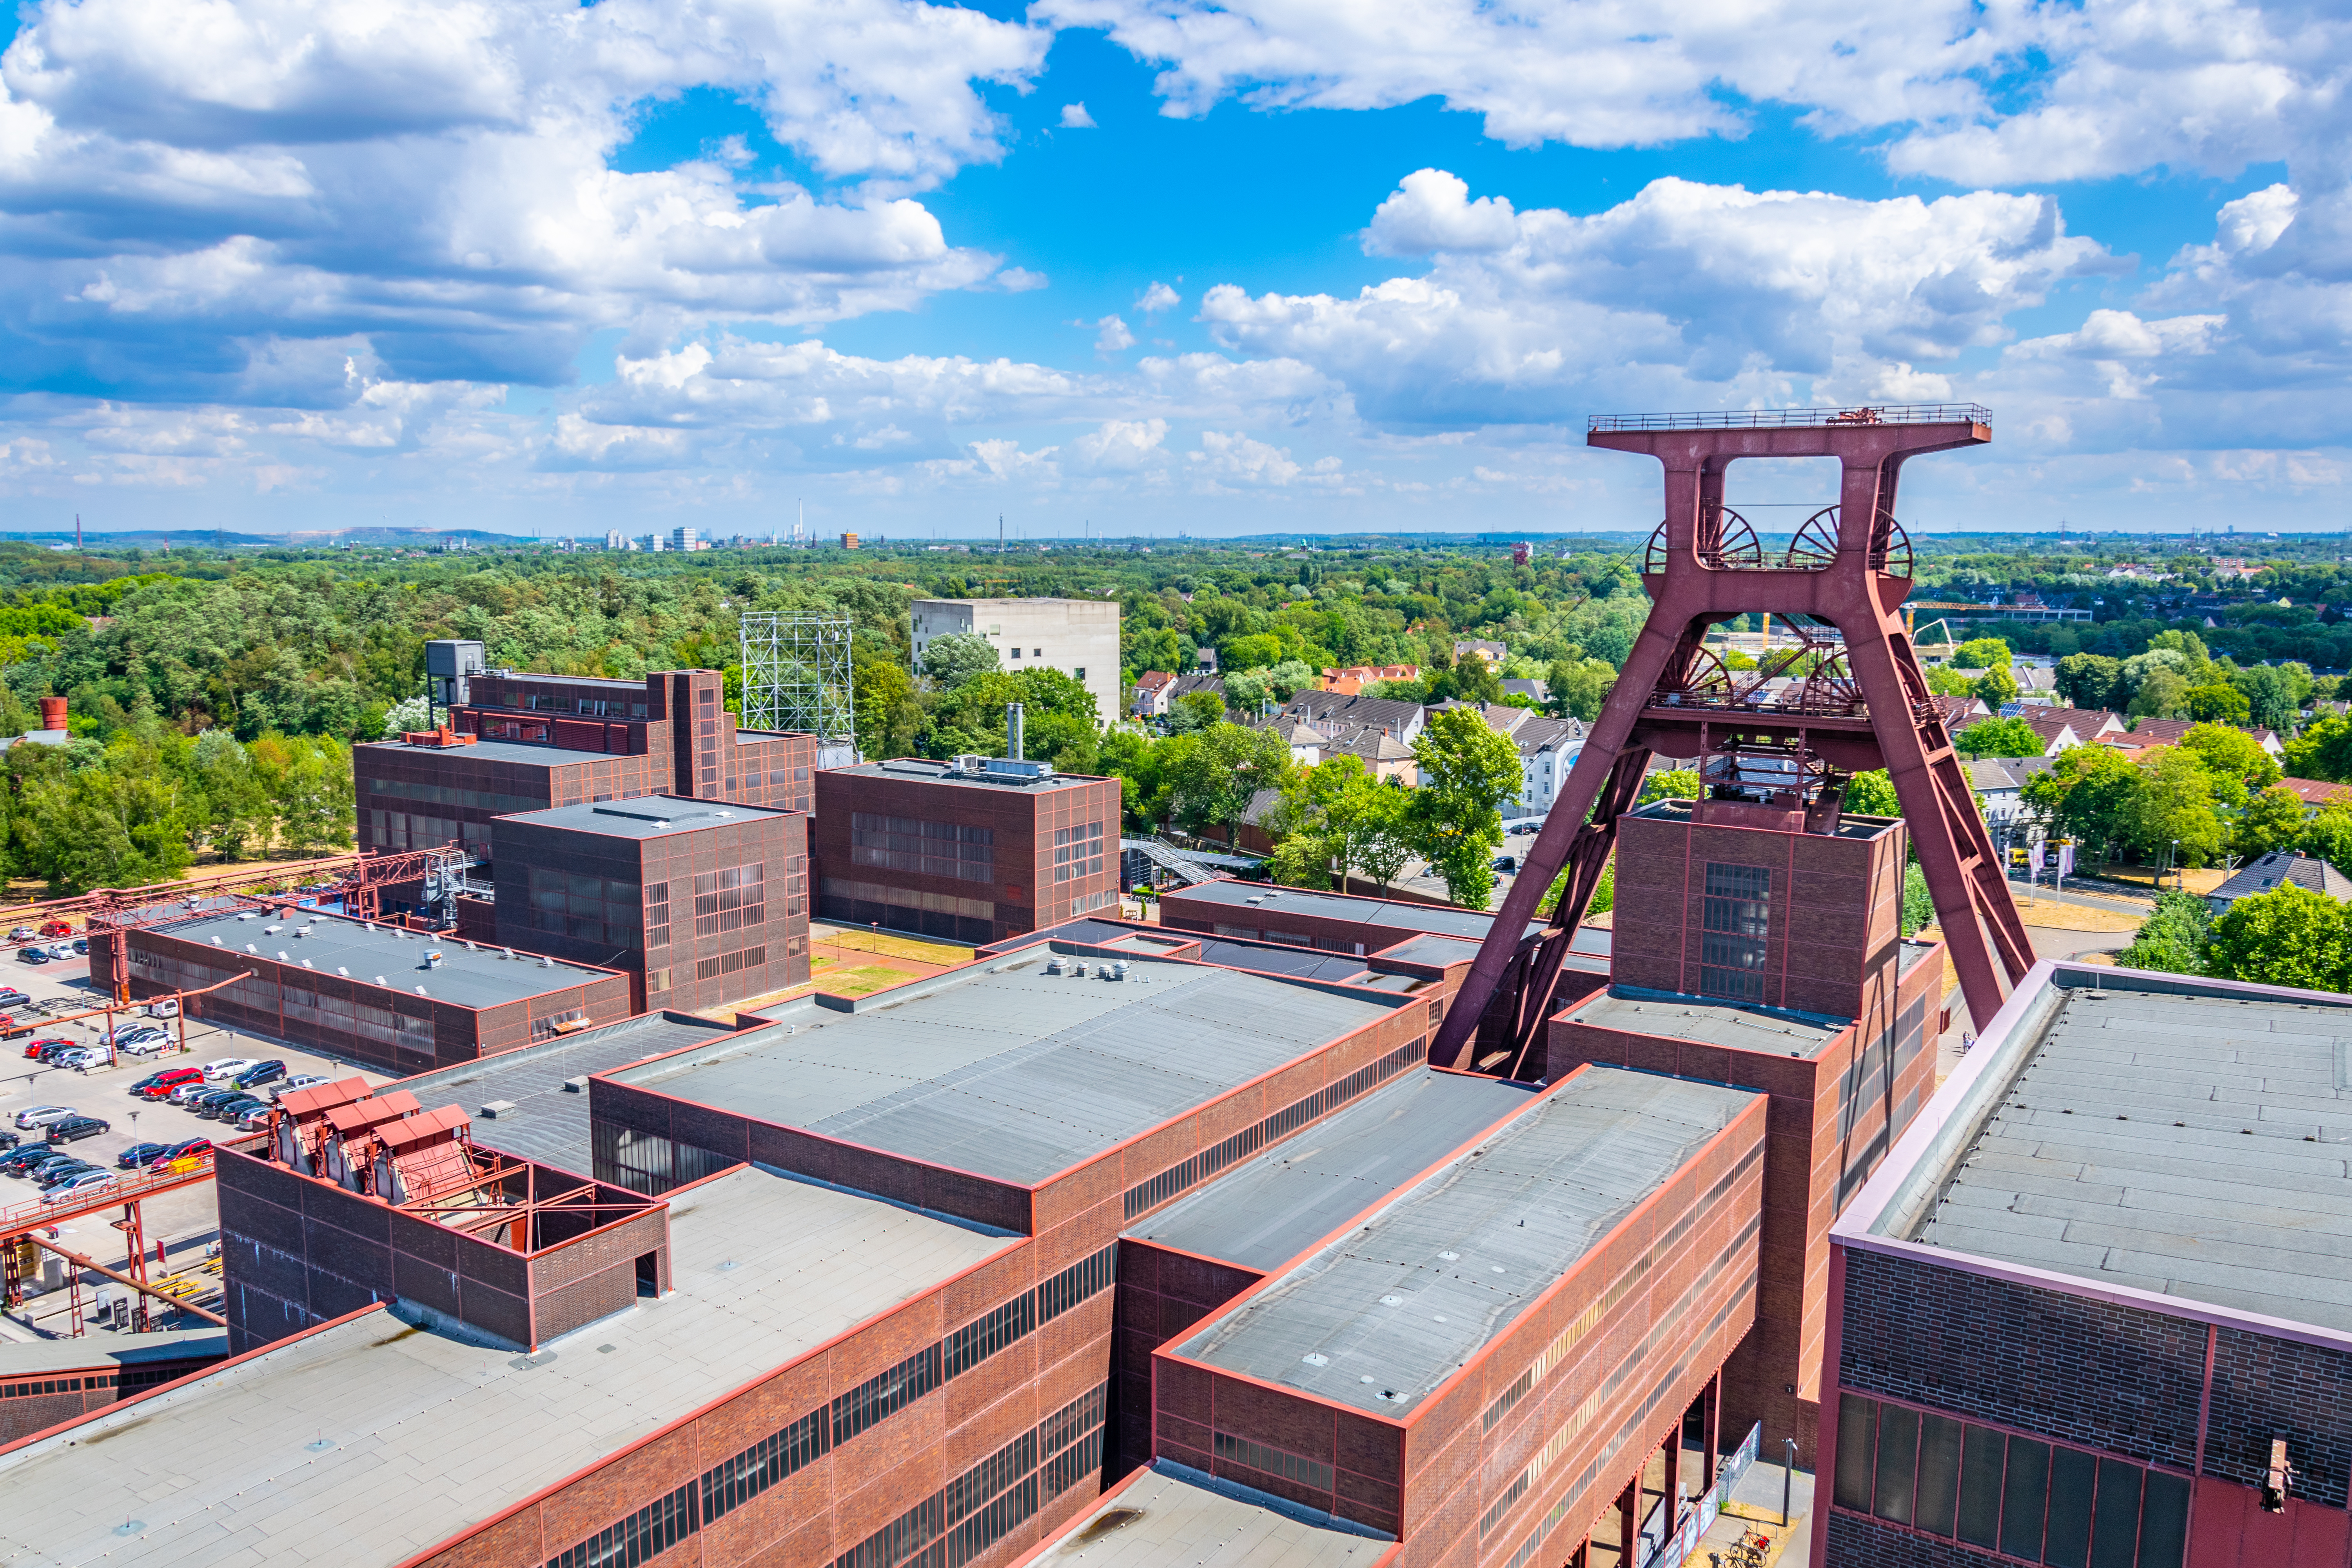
(2075, 917)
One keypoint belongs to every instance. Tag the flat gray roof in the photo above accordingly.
(1709, 1021)
(2192, 1145)
(1265, 1213)
(1391, 1311)
(1008, 1071)
(646, 815)
(1853, 826)
(338, 944)
(374, 1440)
(549, 1122)
(497, 751)
(1443, 919)
(38, 1358)
(1169, 1515)
(1431, 948)
(919, 769)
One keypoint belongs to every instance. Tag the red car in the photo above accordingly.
(162, 1085)
(57, 928)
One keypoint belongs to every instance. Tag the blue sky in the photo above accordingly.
(1295, 265)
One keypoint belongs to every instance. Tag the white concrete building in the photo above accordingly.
(1077, 637)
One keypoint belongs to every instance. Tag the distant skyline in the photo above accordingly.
(1152, 266)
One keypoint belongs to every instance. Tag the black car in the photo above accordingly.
(74, 1126)
(200, 1103)
(235, 1106)
(12, 997)
(20, 1161)
(9, 1140)
(57, 1048)
(260, 1074)
(56, 1171)
(140, 1155)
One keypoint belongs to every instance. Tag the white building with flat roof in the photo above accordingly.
(1077, 637)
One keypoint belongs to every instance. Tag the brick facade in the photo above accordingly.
(869, 822)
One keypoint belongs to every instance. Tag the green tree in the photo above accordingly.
(1384, 836)
(238, 816)
(1919, 904)
(2090, 680)
(887, 710)
(2290, 936)
(1604, 892)
(2272, 820)
(2173, 818)
(1873, 793)
(1467, 772)
(1471, 679)
(2232, 752)
(1323, 817)
(2219, 702)
(2328, 834)
(1981, 653)
(2088, 792)
(2163, 695)
(1580, 686)
(1997, 738)
(308, 779)
(2172, 939)
(1220, 770)
(955, 658)
(2324, 750)
(1945, 681)
(2273, 694)
(1993, 687)
(1670, 783)
(108, 827)
(1195, 711)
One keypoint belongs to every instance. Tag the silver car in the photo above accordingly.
(34, 1116)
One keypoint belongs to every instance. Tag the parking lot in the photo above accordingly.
(185, 1221)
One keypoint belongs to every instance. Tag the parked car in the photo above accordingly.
(160, 1085)
(12, 997)
(254, 1119)
(227, 1067)
(229, 1109)
(56, 928)
(74, 1126)
(33, 955)
(169, 1008)
(1507, 862)
(20, 1161)
(299, 1080)
(185, 1148)
(182, 1093)
(61, 951)
(23, 934)
(137, 1035)
(211, 1096)
(49, 1173)
(34, 1049)
(9, 1140)
(138, 1156)
(260, 1073)
(147, 1047)
(82, 1186)
(81, 944)
(82, 1057)
(34, 1116)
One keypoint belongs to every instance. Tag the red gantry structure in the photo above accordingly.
(1774, 755)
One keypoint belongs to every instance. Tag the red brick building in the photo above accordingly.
(975, 850)
(698, 901)
(528, 742)
(1772, 959)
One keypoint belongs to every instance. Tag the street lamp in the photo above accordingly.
(2180, 878)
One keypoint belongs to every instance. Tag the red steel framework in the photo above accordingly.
(1862, 705)
(359, 881)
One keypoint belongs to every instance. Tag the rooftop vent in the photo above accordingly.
(216, 942)
(248, 915)
(379, 980)
(342, 970)
(420, 991)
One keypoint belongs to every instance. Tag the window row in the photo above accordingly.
(732, 898)
(989, 1501)
(925, 847)
(2034, 1502)
(729, 962)
(1186, 1174)
(1077, 852)
(908, 898)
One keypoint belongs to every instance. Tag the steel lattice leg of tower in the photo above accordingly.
(1565, 833)
(1980, 922)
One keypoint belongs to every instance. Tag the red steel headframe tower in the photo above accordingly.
(1848, 708)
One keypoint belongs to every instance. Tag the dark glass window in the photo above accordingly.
(1939, 1472)
(1857, 1440)
(2163, 1521)
(2114, 1541)
(1898, 1452)
(2024, 1491)
(1736, 917)
(2067, 1540)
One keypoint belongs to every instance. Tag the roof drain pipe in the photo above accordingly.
(1013, 732)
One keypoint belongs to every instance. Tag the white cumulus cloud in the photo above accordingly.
(1075, 118)
(1157, 297)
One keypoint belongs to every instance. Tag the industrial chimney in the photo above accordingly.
(53, 712)
(1013, 732)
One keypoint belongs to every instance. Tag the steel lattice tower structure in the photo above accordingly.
(1860, 706)
(797, 676)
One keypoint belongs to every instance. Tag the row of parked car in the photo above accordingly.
(231, 1090)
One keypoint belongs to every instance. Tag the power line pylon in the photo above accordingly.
(1857, 699)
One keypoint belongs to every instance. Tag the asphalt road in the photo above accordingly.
(186, 1220)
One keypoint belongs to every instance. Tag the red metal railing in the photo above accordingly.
(129, 1187)
(1793, 418)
